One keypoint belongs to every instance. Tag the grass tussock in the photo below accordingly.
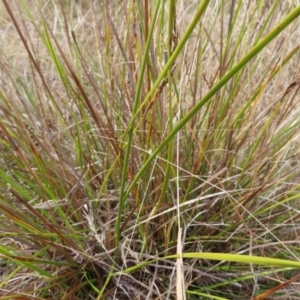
(149, 149)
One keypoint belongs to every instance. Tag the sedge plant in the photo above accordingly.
(149, 149)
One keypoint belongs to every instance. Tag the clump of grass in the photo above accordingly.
(149, 150)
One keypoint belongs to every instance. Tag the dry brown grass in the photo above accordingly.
(67, 97)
